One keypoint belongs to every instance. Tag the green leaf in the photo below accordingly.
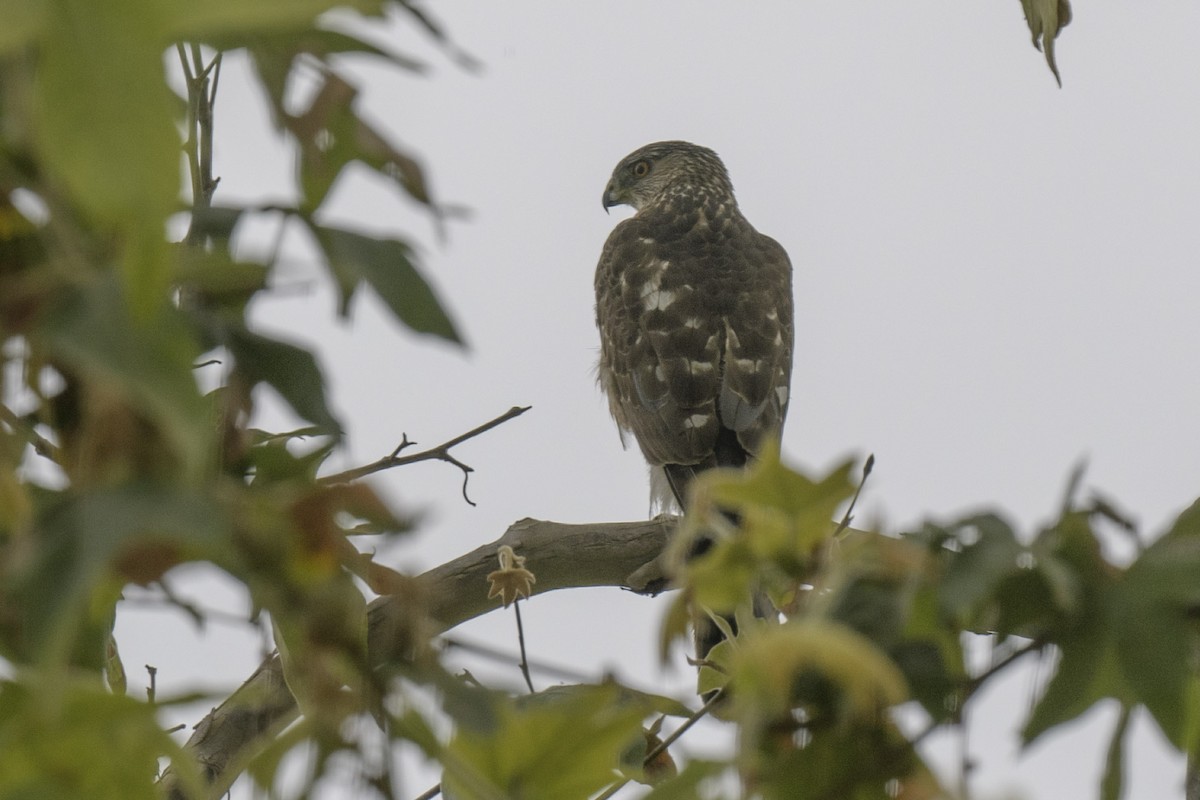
(1157, 608)
(972, 577)
(1077, 609)
(784, 519)
(290, 370)
(273, 462)
(89, 546)
(274, 56)
(685, 785)
(23, 21)
(264, 766)
(1087, 673)
(770, 485)
(322, 641)
(92, 332)
(213, 277)
(104, 117)
(586, 728)
(1113, 782)
(871, 762)
(199, 20)
(386, 265)
(930, 655)
(649, 702)
(326, 135)
(823, 666)
(49, 729)
(1046, 19)
(331, 134)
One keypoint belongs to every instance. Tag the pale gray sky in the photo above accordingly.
(994, 278)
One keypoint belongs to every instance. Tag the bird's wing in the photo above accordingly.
(757, 358)
(693, 342)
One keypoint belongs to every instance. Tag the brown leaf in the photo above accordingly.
(662, 766)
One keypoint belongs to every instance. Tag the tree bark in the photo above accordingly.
(561, 556)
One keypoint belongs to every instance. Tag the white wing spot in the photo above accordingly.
(656, 270)
(693, 322)
(698, 420)
(749, 364)
(660, 373)
(700, 367)
(772, 315)
(778, 338)
(660, 299)
(645, 240)
(782, 393)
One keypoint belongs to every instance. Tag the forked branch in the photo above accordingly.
(439, 453)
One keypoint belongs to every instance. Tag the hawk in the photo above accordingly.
(694, 308)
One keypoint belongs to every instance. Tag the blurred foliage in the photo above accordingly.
(874, 622)
(116, 467)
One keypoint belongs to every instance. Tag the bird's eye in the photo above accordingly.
(641, 168)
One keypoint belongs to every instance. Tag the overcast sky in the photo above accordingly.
(994, 279)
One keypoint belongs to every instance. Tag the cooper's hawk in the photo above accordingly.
(694, 308)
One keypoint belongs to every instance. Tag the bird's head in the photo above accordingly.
(666, 169)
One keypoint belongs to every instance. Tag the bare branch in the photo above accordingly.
(439, 453)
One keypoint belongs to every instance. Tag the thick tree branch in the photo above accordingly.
(561, 555)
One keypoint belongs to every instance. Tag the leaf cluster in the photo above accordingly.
(130, 368)
(875, 622)
(130, 372)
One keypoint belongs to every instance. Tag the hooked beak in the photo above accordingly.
(610, 198)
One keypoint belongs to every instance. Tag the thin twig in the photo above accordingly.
(196, 613)
(201, 83)
(974, 683)
(41, 445)
(702, 712)
(430, 793)
(191, 145)
(524, 664)
(552, 670)
(848, 517)
(208, 96)
(439, 453)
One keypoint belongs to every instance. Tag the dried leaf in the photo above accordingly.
(512, 580)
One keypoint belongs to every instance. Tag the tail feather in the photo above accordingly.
(728, 452)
